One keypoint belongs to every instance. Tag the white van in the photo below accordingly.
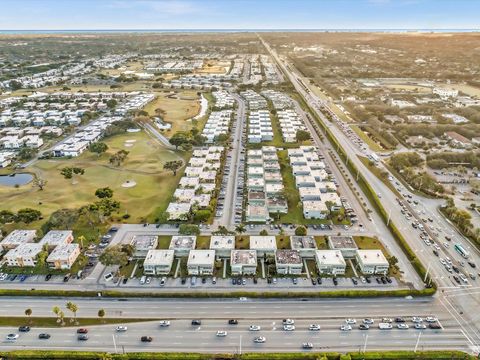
(143, 279)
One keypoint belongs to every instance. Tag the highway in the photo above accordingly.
(464, 303)
(182, 336)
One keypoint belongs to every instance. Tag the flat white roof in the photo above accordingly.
(243, 257)
(201, 257)
(56, 237)
(329, 257)
(372, 257)
(179, 242)
(222, 242)
(62, 252)
(159, 257)
(17, 237)
(263, 242)
(144, 242)
(25, 250)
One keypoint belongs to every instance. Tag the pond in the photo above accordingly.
(15, 179)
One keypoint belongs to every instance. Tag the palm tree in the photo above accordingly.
(240, 228)
(73, 308)
(56, 311)
(28, 312)
(61, 315)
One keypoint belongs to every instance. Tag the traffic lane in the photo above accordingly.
(181, 336)
(136, 308)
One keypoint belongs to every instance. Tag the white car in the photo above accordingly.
(447, 245)
(442, 261)
(402, 326)
(148, 280)
(259, 339)
(164, 323)
(314, 327)
(368, 321)
(351, 321)
(420, 326)
(387, 320)
(3, 277)
(345, 327)
(221, 333)
(11, 337)
(121, 328)
(289, 327)
(436, 246)
(431, 319)
(254, 328)
(417, 319)
(288, 321)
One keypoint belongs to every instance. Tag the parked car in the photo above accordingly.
(44, 336)
(24, 328)
(146, 339)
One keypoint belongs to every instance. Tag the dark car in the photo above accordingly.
(368, 280)
(196, 322)
(233, 322)
(378, 280)
(355, 282)
(455, 277)
(24, 328)
(455, 269)
(388, 280)
(82, 337)
(124, 281)
(269, 280)
(82, 331)
(146, 339)
(183, 281)
(66, 277)
(363, 327)
(44, 336)
(399, 320)
(472, 264)
(234, 281)
(204, 280)
(113, 229)
(335, 281)
(48, 277)
(434, 325)
(383, 280)
(435, 252)
(319, 281)
(314, 282)
(255, 280)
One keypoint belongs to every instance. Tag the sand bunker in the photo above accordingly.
(129, 184)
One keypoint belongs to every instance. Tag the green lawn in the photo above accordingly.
(203, 242)
(321, 242)
(144, 165)
(52, 321)
(283, 242)
(164, 241)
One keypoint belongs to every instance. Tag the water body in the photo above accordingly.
(15, 179)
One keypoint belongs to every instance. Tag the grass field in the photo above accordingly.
(51, 322)
(144, 165)
(175, 108)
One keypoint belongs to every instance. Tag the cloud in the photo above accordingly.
(167, 7)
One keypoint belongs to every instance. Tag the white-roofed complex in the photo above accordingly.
(158, 262)
(63, 256)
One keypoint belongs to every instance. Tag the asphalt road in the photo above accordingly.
(181, 336)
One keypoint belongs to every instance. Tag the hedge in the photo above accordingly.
(86, 355)
(231, 294)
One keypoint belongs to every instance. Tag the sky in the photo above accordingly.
(238, 14)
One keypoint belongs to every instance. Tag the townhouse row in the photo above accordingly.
(218, 123)
(331, 261)
(199, 181)
(21, 250)
(264, 185)
(317, 191)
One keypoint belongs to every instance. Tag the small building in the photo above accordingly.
(305, 245)
(23, 255)
(372, 262)
(158, 262)
(288, 262)
(201, 262)
(56, 238)
(223, 245)
(345, 244)
(178, 211)
(243, 262)
(330, 262)
(315, 209)
(16, 238)
(182, 244)
(264, 245)
(63, 256)
(143, 244)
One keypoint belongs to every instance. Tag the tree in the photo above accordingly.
(302, 135)
(264, 232)
(28, 312)
(119, 157)
(301, 231)
(101, 313)
(61, 316)
(73, 308)
(178, 139)
(114, 255)
(173, 166)
(26, 153)
(202, 215)
(103, 193)
(67, 172)
(111, 103)
(240, 228)
(98, 148)
(6, 216)
(188, 229)
(39, 183)
(56, 310)
(28, 215)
